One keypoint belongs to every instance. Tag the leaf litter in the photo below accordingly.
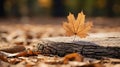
(28, 34)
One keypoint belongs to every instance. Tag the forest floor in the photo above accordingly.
(22, 31)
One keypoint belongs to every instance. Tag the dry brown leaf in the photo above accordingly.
(77, 26)
(73, 57)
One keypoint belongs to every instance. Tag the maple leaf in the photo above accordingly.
(77, 26)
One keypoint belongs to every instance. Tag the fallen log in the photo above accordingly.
(90, 47)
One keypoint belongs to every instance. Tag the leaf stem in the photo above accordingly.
(74, 38)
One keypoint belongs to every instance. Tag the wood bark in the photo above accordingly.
(92, 48)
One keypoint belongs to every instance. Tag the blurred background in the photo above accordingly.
(105, 14)
(59, 8)
(24, 20)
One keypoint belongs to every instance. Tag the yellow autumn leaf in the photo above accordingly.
(77, 26)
